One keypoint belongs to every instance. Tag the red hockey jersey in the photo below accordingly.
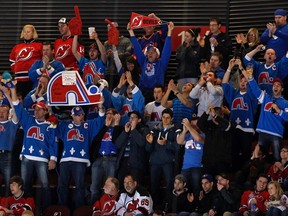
(22, 57)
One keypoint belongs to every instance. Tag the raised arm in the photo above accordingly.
(74, 48)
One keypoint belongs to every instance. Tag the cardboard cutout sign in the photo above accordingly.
(140, 21)
(68, 89)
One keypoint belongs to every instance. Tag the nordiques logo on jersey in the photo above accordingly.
(264, 78)
(75, 134)
(35, 133)
(239, 104)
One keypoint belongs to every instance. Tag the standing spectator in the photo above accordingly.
(115, 55)
(153, 110)
(182, 105)
(193, 140)
(264, 73)
(8, 130)
(161, 144)
(134, 200)
(20, 201)
(132, 100)
(206, 196)
(94, 68)
(107, 203)
(272, 115)
(217, 41)
(39, 151)
(278, 201)
(217, 146)
(246, 43)
(253, 201)
(279, 170)
(153, 68)
(152, 37)
(242, 104)
(105, 153)
(76, 136)
(188, 56)
(23, 55)
(276, 34)
(47, 65)
(131, 143)
(208, 92)
(63, 46)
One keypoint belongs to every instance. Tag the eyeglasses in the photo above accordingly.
(251, 35)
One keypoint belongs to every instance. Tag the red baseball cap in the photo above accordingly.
(41, 105)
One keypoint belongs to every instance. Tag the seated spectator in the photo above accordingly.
(278, 201)
(179, 201)
(161, 145)
(93, 68)
(20, 201)
(279, 170)
(132, 100)
(47, 65)
(253, 201)
(228, 199)
(134, 200)
(153, 68)
(153, 110)
(107, 203)
(206, 196)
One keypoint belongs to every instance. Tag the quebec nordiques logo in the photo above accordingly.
(238, 104)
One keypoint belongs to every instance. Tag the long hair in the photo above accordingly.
(35, 35)
(279, 190)
(256, 32)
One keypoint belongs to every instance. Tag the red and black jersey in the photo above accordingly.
(18, 204)
(106, 205)
(63, 52)
(22, 57)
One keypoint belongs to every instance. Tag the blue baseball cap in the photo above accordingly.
(77, 111)
(280, 12)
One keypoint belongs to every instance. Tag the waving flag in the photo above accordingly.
(140, 21)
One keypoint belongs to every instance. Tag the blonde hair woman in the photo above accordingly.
(23, 55)
(278, 201)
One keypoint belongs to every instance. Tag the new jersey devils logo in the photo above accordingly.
(108, 207)
(75, 134)
(62, 51)
(35, 133)
(137, 22)
(238, 104)
(132, 206)
(25, 54)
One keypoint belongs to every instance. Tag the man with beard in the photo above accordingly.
(276, 34)
(264, 73)
(273, 114)
(135, 200)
